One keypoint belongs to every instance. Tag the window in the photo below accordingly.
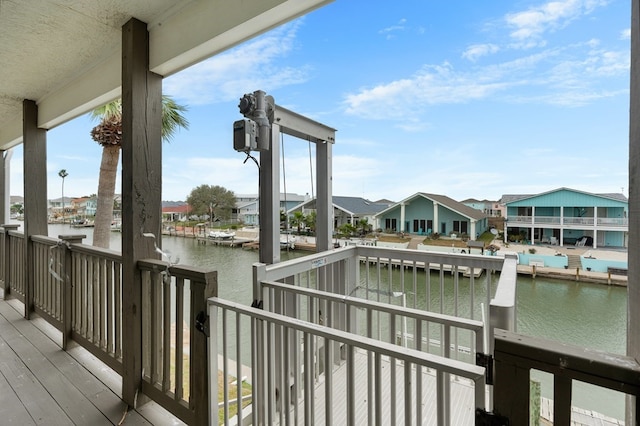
(390, 224)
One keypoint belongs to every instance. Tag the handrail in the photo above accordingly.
(164, 289)
(265, 320)
(517, 354)
(281, 270)
(416, 314)
(78, 289)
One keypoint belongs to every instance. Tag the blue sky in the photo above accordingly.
(465, 99)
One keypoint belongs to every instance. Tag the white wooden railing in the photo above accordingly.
(285, 395)
(609, 222)
(351, 290)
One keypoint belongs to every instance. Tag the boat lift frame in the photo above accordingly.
(288, 122)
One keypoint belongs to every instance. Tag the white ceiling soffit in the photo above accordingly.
(66, 54)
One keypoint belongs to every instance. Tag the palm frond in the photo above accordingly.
(109, 131)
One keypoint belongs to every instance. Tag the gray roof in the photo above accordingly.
(358, 206)
(353, 205)
(449, 203)
(454, 205)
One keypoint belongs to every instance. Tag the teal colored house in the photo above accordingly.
(424, 214)
(568, 217)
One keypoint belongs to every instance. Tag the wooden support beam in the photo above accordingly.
(141, 190)
(5, 187)
(35, 192)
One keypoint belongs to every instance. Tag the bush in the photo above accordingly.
(532, 251)
(435, 236)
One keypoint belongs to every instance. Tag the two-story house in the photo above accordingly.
(567, 216)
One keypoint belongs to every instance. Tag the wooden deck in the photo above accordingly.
(40, 384)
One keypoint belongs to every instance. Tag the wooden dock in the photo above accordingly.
(578, 416)
(394, 263)
(229, 242)
(43, 385)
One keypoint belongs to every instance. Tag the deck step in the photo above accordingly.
(574, 261)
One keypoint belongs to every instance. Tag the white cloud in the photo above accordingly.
(572, 75)
(251, 66)
(406, 98)
(528, 27)
(478, 50)
(390, 31)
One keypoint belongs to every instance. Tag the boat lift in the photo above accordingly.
(260, 131)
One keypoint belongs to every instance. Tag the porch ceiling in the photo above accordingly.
(65, 54)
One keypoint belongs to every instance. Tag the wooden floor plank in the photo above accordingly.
(12, 411)
(73, 383)
(16, 352)
(63, 392)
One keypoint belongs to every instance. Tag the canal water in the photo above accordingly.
(583, 314)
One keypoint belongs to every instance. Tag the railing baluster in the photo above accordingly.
(378, 388)
(239, 379)
(308, 378)
(285, 394)
(118, 310)
(351, 386)
(179, 361)
(269, 348)
(103, 301)
(561, 400)
(418, 339)
(408, 400)
(225, 367)
(166, 331)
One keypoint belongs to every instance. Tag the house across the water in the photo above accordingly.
(567, 216)
(426, 214)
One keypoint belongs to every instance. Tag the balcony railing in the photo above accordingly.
(516, 355)
(78, 289)
(332, 325)
(356, 290)
(286, 388)
(540, 221)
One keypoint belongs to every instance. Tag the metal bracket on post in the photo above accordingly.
(202, 325)
(487, 418)
(486, 361)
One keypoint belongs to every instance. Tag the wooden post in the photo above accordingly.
(5, 180)
(35, 190)
(67, 284)
(141, 190)
(7, 257)
(199, 369)
(561, 394)
(511, 388)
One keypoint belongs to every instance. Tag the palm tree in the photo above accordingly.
(364, 225)
(297, 220)
(63, 174)
(108, 133)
